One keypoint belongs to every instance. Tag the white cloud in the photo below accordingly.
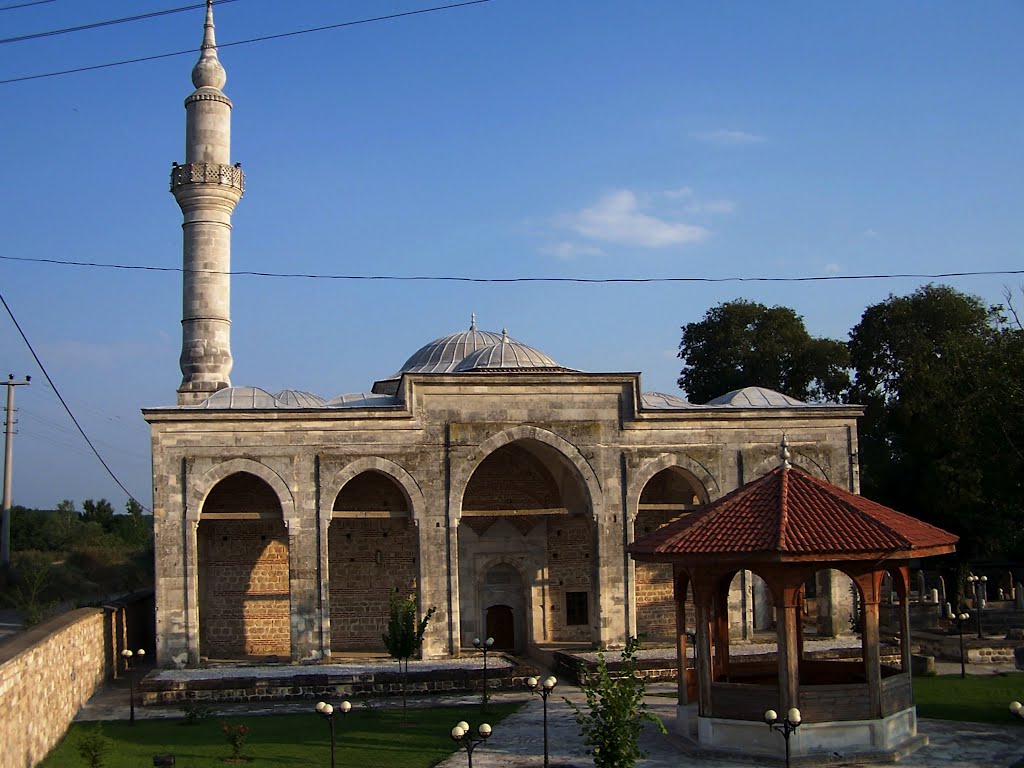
(724, 137)
(832, 269)
(617, 218)
(568, 251)
(871, 234)
(696, 206)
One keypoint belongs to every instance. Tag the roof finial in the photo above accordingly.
(208, 71)
(472, 322)
(504, 336)
(784, 453)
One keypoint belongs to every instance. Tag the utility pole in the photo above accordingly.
(5, 535)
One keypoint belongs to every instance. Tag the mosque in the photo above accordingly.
(495, 484)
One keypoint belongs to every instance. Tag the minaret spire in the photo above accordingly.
(207, 187)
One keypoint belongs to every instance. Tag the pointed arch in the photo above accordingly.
(395, 472)
(201, 487)
(463, 471)
(705, 482)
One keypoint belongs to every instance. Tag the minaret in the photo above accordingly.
(207, 188)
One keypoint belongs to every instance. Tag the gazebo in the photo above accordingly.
(785, 527)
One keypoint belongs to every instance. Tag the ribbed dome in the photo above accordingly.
(443, 355)
(756, 397)
(296, 398)
(507, 353)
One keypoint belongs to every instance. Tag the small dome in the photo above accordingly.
(236, 398)
(363, 400)
(507, 353)
(657, 401)
(756, 397)
(296, 398)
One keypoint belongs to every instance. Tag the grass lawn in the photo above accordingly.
(976, 698)
(364, 738)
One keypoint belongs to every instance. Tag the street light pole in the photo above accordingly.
(127, 655)
(786, 727)
(463, 738)
(960, 619)
(545, 689)
(326, 711)
(484, 647)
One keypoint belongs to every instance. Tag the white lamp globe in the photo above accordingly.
(458, 733)
(1015, 707)
(531, 682)
(345, 707)
(794, 716)
(770, 716)
(485, 730)
(463, 725)
(550, 682)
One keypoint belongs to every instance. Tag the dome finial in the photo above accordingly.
(504, 336)
(472, 322)
(208, 71)
(784, 454)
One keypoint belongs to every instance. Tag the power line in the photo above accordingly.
(15, 6)
(108, 23)
(249, 41)
(583, 280)
(66, 408)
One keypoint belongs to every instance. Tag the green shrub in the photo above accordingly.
(616, 711)
(93, 746)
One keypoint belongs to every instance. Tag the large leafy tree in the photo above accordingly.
(942, 436)
(742, 343)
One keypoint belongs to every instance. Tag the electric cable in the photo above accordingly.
(108, 23)
(249, 41)
(66, 408)
(583, 280)
(15, 6)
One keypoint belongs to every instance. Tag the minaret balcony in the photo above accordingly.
(207, 173)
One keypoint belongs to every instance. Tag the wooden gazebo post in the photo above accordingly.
(679, 586)
(787, 605)
(870, 586)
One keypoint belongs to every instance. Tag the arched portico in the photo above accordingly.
(243, 574)
(528, 504)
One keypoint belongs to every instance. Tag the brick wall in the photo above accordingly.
(655, 606)
(570, 569)
(243, 590)
(46, 674)
(368, 558)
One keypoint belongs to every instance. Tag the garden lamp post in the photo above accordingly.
(326, 711)
(786, 727)
(127, 655)
(980, 586)
(1016, 709)
(463, 738)
(484, 648)
(544, 688)
(961, 619)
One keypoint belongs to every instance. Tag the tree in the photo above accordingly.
(101, 512)
(405, 636)
(616, 711)
(942, 436)
(742, 343)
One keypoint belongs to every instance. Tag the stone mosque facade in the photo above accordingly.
(493, 483)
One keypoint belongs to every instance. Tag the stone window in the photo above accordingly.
(576, 605)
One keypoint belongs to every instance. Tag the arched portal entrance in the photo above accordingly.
(244, 605)
(372, 549)
(526, 507)
(670, 494)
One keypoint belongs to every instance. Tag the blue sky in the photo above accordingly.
(562, 138)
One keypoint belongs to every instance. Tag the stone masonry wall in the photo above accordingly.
(244, 609)
(46, 674)
(368, 558)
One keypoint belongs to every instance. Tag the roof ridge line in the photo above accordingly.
(780, 541)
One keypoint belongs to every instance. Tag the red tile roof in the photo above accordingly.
(788, 512)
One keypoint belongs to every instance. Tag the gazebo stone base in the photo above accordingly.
(883, 739)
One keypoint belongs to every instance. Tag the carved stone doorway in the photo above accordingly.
(501, 625)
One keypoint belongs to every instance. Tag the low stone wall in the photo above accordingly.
(985, 651)
(46, 674)
(160, 687)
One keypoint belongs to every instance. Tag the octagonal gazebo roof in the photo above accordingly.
(789, 515)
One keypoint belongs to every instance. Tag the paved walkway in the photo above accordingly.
(518, 741)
